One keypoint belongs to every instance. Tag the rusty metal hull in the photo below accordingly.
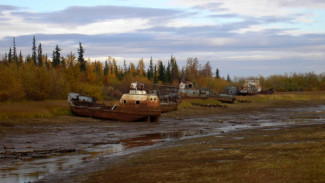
(168, 107)
(128, 115)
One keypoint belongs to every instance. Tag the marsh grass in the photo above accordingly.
(33, 109)
(286, 155)
(257, 103)
(52, 108)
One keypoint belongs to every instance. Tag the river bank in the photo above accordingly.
(99, 143)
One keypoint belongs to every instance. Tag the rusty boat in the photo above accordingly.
(137, 105)
(168, 97)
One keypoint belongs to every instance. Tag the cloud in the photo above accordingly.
(79, 15)
(226, 34)
(256, 8)
(7, 8)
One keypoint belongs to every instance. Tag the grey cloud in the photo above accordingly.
(7, 8)
(210, 6)
(151, 42)
(84, 15)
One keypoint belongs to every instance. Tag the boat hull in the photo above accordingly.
(168, 107)
(117, 114)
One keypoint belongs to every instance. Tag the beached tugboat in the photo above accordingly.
(136, 105)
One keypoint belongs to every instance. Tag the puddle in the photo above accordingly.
(34, 169)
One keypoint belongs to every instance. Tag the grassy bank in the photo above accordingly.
(33, 109)
(52, 108)
(256, 103)
(284, 155)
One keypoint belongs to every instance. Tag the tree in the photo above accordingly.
(192, 69)
(34, 51)
(168, 76)
(20, 59)
(228, 78)
(106, 68)
(46, 61)
(217, 73)
(132, 69)
(14, 53)
(56, 56)
(39, 55)
(10, 56)
(81, 59)
(71, 59)
(161, 71)
(140, 68)
(174, 69)
(155, 78)
(63, 62)
(150, 70)
(124, 66)
(206, 71)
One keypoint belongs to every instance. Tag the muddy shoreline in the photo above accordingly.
(95, 144)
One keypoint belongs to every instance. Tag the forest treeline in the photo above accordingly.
(37, 77)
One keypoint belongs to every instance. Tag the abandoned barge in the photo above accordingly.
(136, 105)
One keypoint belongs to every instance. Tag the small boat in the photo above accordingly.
(136, 105)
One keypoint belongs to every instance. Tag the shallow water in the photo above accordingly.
(34, 169)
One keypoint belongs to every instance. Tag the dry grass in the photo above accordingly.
(52, 108)
(257, 103)
(33, 109)
(286, 155)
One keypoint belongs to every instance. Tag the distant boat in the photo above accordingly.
(136, 105)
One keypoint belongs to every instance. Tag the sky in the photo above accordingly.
(240, 38)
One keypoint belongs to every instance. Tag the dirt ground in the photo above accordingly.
(95, 144)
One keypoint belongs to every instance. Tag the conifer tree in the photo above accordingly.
(39, 55)
(168, 76)
(81, 59)
(62, 62)
(46, 61)
(217, 73)
(20, 59)
(228, 78)
(56, 56)
(34, 57)
(155, 78)
(161, 71)
(174, 69)
(10, 56)
(5, 59)
(124, 66)
(150, 70)
(105, 68)
(14, 53)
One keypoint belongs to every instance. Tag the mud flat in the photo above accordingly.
(288, 154)
(66, 147)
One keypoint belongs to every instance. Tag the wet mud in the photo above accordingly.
(69, 146)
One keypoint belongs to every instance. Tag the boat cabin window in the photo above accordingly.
(137, 102)
(124, 101)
